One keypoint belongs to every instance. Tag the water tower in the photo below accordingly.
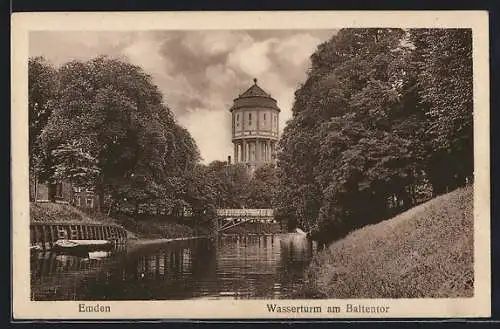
(255, 117)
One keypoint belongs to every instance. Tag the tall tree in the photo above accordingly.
(116, 109)
(364, 130)
(444, 60)
(230, 184)
(42, 92)
(262, 187)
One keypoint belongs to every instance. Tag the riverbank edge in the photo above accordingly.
(139, 232)
(142, 242)
(51, 213)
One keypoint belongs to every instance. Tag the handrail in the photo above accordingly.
(245, 212)
(87, 223)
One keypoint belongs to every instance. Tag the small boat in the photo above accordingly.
(35, 248)
(81, 246)
(299, 231)
(99, 254)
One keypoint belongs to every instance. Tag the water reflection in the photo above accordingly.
(235, 267)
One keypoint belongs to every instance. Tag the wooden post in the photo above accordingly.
(45, 264)
(215, 227)
(73, 232)
(52, 263)
(37, 234)
(52, 236)
(32, 235)
(44, 237)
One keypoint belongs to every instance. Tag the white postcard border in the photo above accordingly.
(23, 23)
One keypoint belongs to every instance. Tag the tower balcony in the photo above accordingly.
(239, 135)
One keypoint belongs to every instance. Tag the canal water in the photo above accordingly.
(233, 267)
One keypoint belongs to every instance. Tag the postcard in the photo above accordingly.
(250, 165)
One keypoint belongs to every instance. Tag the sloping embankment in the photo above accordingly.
(52, 212)
(426, 251)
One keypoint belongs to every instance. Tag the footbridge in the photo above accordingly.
(228, 218)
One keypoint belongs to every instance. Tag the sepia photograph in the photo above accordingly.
(286, 171)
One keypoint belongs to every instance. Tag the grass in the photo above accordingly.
(253, 228)
(426, 251)
(52, 212)
(155, 229)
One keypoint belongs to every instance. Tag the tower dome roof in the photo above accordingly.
(253, 97)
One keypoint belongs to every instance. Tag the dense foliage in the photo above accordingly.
(102, 124)
(383, 120)
(42, 91)
(235, 187)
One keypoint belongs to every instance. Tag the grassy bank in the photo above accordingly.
(156, 228)
(426, 251)
(52, 212)
(136, 229)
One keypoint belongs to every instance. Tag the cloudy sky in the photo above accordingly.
(199, 72)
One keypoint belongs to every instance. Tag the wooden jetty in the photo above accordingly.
(44, 235)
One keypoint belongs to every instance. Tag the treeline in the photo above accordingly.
(236, 187)
(383, 122)
(102, 124)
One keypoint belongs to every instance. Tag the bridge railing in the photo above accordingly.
(245, 212)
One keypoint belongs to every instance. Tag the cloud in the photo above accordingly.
(213, 42)
(60, 47)
(297, 49)
(145, 52)
(212, 132)
(251, 58)
(200, 72)
(221, 75)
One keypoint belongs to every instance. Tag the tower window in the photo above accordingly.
(249, 119)
(264, 117)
